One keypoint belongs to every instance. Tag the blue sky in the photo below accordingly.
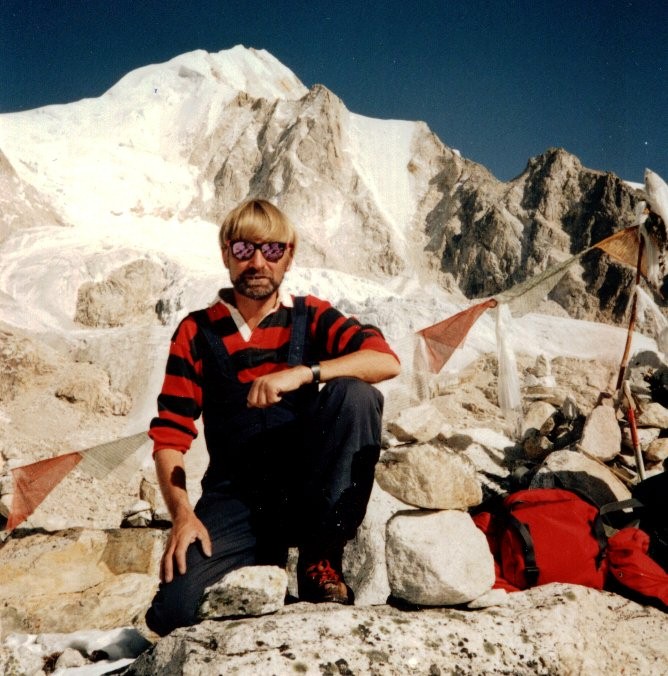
(500, 81)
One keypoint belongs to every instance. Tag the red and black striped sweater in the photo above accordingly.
(262, 351)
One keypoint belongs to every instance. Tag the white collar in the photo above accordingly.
(283, 298)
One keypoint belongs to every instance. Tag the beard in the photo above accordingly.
(254, 285)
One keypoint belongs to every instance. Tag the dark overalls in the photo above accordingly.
(298, 473)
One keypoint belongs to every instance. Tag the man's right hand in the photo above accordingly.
(186, 530)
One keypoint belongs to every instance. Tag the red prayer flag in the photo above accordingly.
(32, 483)
(444, 338)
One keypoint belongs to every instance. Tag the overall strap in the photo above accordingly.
(296, 348)
(218, 349)
(299, 333)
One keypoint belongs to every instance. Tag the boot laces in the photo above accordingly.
(322, 573)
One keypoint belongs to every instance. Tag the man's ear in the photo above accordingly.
(225, 252)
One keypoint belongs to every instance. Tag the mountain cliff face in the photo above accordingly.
(501, 234)
(21, 206)
(189, 139)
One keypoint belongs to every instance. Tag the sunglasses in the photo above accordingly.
(243, 250)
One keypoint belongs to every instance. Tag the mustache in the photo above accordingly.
(252, 272)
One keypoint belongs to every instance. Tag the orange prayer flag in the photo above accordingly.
(442, 339)
(32, 483)
(623, 247)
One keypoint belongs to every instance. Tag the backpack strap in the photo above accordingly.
(619, 505)
(531, 570)
(611, 527)
(598, 531)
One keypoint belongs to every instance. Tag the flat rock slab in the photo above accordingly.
(555, 629)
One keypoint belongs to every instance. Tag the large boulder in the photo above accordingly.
(575, 471)
(251, 590)
(364, 563)
(429, 476)
(74, 579)
(416, 423)
(88, 385)
(24, 360)
(129, 296)
(437, 558)
(601, 436)
(554, 629)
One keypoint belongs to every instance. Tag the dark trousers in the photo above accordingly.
(305, 484)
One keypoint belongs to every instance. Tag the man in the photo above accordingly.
(291, 422)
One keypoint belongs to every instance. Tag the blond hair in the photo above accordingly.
(257, 219)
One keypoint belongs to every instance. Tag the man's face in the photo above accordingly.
(257, 278)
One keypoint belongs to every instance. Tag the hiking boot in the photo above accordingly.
(320, 582)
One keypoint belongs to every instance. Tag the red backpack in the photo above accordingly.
(545, 535)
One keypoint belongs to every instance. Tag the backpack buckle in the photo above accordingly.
(531, 574)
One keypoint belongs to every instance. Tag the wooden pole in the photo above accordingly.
(632, 319)
(631, 417)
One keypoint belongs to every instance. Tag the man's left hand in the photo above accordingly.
(268, 390)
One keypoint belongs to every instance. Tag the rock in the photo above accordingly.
(489, 451)
(6, 504)
(658, 381)
(646, 435)
(17, 656)
(561, 429)
(639, 371)
(493, 597)
(70, 658)
(86, 578)
(601, 436)
(139, 515)
(536, 415)
(657, 451)
(37, 654)
(541, 368)
(23, 361)
(576, 471)
(653, 415)
(554, 629)
(252, 590)
(429, 476)
(364, 563)
(89, 385)
(129, 295)
(539, 383)
(437, 558)
(150, 492)
(536, 446)
(418, 423)
(22, 206)
(488, 247)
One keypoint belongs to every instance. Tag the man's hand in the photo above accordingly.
(186, 530)
(268, 390)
